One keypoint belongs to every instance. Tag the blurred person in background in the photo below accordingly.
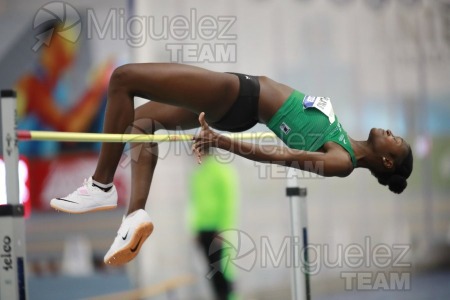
(212, 209)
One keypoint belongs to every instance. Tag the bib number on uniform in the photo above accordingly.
(321, 103)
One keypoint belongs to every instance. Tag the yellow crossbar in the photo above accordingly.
(125, 138)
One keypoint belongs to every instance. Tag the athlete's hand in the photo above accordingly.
(205, 139)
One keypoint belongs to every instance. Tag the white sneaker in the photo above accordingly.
(133, 232)
(85, 199)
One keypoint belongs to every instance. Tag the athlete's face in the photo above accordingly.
(391, 149)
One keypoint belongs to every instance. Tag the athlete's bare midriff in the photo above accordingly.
(271, 97)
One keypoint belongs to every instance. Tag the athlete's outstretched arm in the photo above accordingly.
(327, 164)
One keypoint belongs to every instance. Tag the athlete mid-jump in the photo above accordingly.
(185, 96)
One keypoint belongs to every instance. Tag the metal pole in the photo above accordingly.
(12, 234)
(299, 245)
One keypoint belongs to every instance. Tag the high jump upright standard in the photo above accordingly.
(300, 285)
(12, 224)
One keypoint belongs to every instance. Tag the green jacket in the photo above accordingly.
(213, 196)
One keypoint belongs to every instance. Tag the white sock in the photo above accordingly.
(102, 185)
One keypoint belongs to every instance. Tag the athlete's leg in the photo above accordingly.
(137, 225)
(150, 117)
(192, 88)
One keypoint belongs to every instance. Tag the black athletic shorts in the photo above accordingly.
(243, 114)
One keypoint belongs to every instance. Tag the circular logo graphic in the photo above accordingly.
(61, 18)
(136, 147)
(238, 248)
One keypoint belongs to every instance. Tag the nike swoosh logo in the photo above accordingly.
(137, 246)
(125, 237)
(67, 200)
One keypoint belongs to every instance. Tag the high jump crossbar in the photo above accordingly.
(12, 281)
(24, 135)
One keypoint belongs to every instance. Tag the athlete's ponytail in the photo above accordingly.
(397, 180)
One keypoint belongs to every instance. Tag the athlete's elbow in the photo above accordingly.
(320, 167)
(337, 171)
(316, 167)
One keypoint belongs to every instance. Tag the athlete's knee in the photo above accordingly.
(121, 76)
(141, 127)
(144, 125)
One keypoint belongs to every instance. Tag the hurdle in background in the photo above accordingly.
(12, 224)
(13, 280)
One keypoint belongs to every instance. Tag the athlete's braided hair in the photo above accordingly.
(397, 180)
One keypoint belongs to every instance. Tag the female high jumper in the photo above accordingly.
(185, 96)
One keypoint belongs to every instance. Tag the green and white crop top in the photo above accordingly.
(307, 123)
